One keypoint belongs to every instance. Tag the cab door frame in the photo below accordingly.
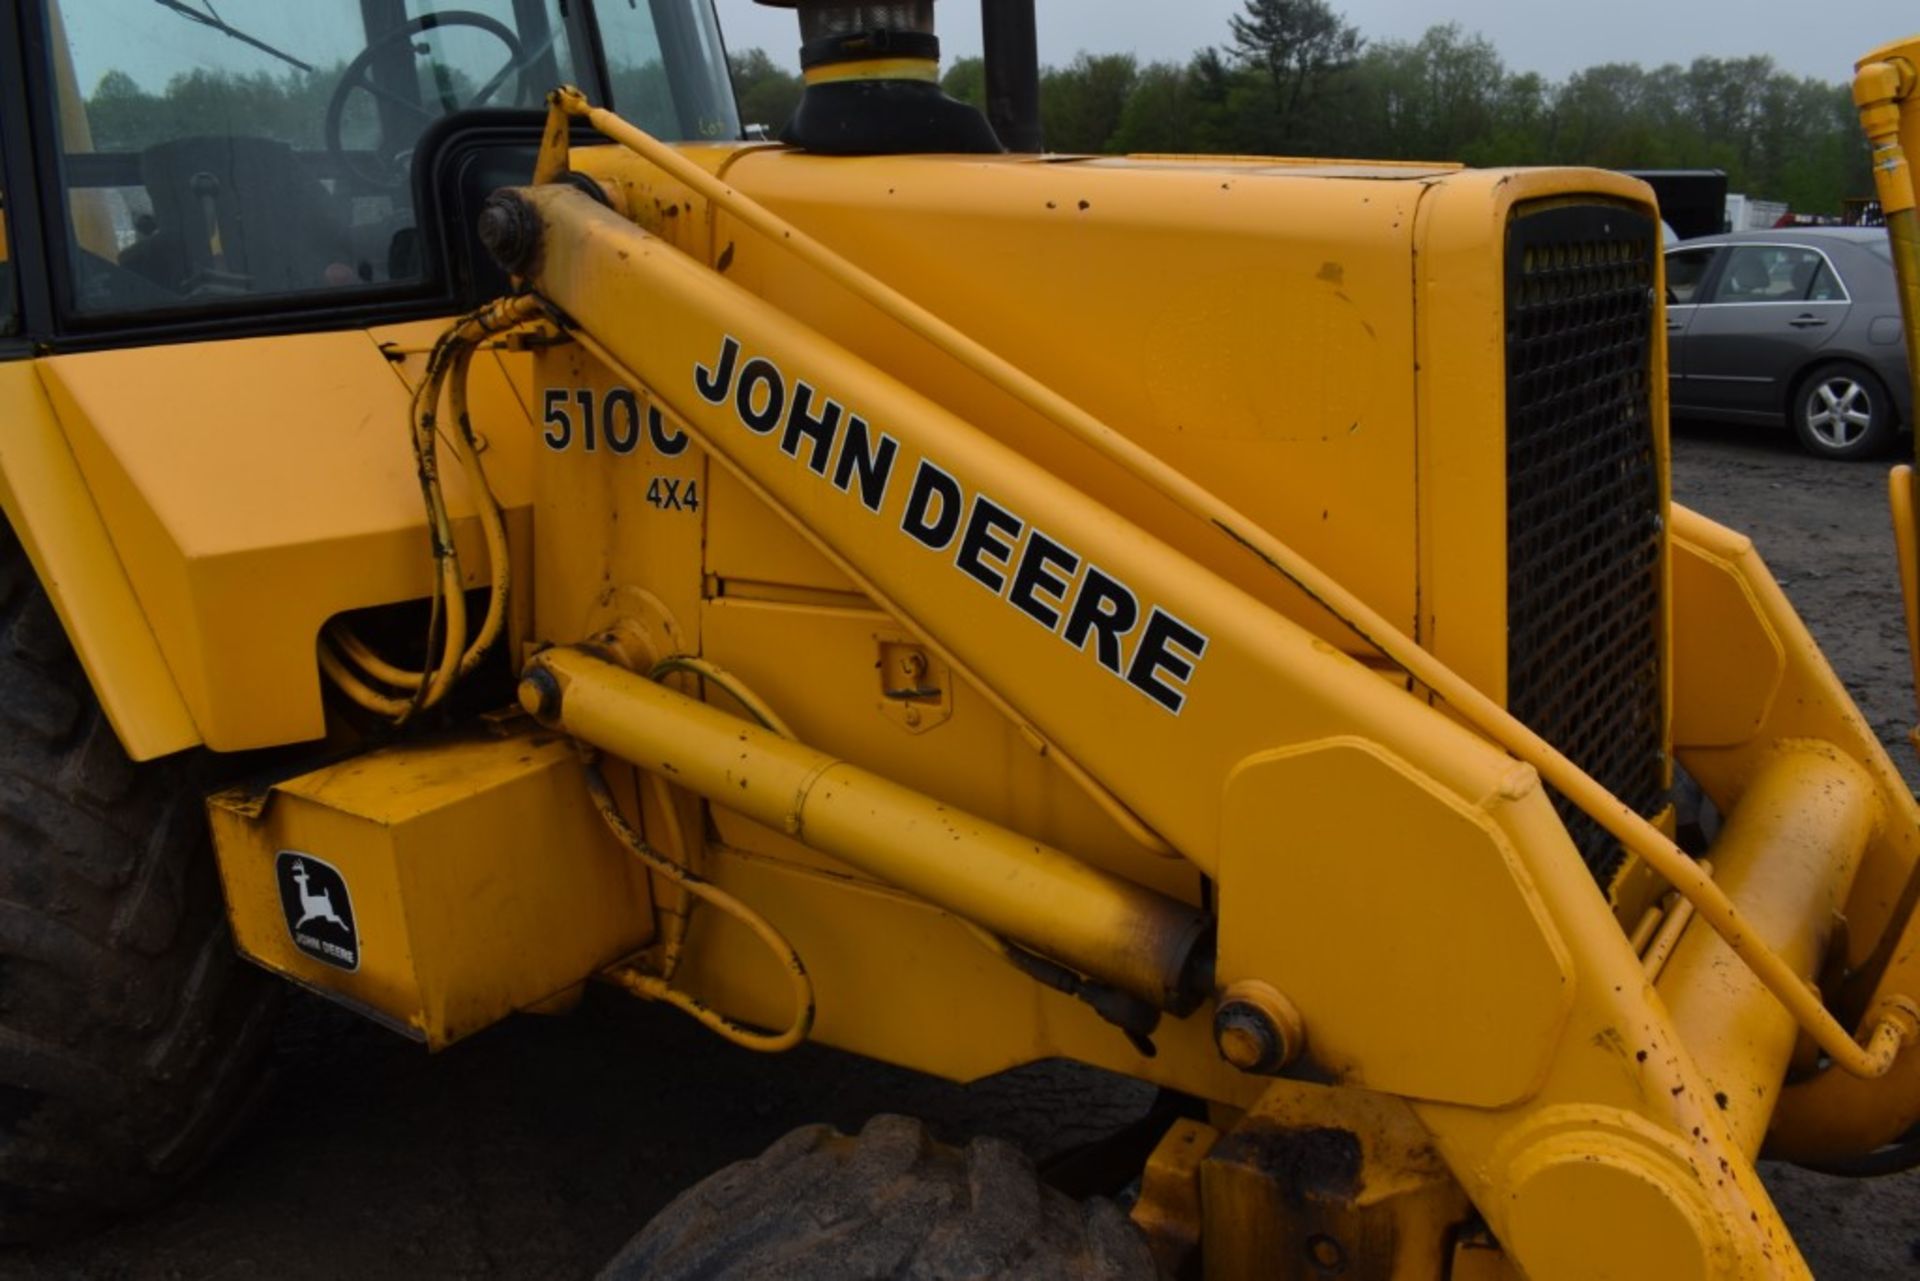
(25, 246)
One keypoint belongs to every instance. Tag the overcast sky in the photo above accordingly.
(1807, 37)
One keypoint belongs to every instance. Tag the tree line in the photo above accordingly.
(1294, 77)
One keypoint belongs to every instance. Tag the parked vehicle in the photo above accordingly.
(1802, 324)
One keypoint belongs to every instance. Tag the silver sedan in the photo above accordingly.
(1800, 325)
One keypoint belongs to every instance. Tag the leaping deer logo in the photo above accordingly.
(313, 907)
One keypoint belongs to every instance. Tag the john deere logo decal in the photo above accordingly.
(319, 913)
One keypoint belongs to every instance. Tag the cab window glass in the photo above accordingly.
(1685, 270)
(665, 68)
(1768, 273)
(216, 152)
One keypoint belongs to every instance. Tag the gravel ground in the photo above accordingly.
(536, 1149)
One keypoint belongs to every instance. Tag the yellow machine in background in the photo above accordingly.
(1221, 620)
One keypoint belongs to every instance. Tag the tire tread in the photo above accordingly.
(889, 1203)
(131, 1034)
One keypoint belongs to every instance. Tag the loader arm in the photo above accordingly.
(1334, 811)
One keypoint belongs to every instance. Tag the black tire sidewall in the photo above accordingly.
(139, 1042)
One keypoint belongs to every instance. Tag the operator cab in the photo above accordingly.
(226, 161)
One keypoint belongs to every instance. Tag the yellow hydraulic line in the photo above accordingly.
(1833, 1116)
(449, 599)
(656, 988)
(450, 361)
(679, 912)
(493, 521)
(1643, 932)
(1655, 958)
(452, 358)
(358, 690)
(1091, 921)
(361, 655)
(673, 933)
(726, 680)
(1896, 1026)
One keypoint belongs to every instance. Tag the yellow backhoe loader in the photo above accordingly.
(1220, 620)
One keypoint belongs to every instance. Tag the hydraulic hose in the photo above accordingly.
(346, 659)
(655, 988)
(673, 933)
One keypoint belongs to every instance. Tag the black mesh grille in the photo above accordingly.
(1583, 503)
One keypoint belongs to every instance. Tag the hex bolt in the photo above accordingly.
(1327, 1256)
(1257, 1030)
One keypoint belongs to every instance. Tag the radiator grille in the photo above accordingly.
(1583, 503)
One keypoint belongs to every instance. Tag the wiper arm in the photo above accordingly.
(211, 20)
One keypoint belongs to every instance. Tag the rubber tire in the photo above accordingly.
(892, 1203)
(131, 1034)
(1880, 431)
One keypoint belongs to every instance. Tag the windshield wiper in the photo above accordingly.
(213, 20)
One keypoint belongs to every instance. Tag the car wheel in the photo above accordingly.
(1842, 411)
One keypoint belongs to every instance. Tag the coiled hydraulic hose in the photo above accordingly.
(673, 932)
(367, 679)
(656, 987)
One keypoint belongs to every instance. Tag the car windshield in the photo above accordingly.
(222, 149)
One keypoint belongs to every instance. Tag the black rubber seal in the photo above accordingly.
(887, 118)
(865, 46)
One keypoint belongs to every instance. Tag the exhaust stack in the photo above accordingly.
(873, 84)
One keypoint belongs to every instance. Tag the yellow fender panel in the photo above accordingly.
(48, 504)
(255, 488)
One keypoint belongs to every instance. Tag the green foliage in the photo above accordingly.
(966, 80)
(1082, 103)
(1299, 52)
(290, 108)
(643, 94)
(768, 95)
(1297, 79)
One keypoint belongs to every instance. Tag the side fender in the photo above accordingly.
(52, 512)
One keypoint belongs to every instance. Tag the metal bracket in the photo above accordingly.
(916, 688)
